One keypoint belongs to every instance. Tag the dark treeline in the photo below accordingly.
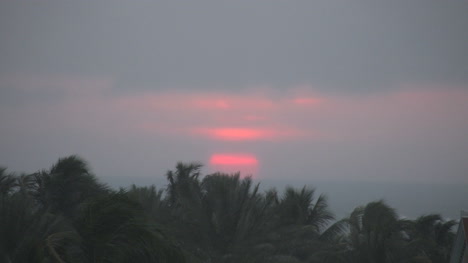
(65, 214)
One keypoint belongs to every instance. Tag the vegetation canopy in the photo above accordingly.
(65, 214)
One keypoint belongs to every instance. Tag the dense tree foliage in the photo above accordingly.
(65, 214)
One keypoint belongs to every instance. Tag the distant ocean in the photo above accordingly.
(409, 199)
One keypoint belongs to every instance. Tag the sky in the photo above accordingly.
(332, 90)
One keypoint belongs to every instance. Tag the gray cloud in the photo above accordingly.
(337, 45)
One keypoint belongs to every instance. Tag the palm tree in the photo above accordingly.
(114, 228)
(431, 238)
(298, 207)
(26, 184)
(66, 215)
(66, 185)
(235, 210)
(184, 184)
(26, 232)
(304, 219)
(184, 201)
(151, 199)
(7, 181)
(376, 234)
(216, 217)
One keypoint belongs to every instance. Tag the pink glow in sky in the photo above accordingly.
(307, 100)
(291, 128)
(247, 134)
(239, 134)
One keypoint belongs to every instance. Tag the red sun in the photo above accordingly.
(233, 159)
(247, 164)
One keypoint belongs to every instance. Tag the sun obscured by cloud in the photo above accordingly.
(425, 122)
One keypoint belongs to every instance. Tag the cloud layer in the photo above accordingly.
(415, 133)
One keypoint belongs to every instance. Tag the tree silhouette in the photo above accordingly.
(65, 214)
(66, 185)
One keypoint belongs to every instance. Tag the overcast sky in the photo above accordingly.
(319, 90)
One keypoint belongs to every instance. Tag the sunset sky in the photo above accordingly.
(372, 91)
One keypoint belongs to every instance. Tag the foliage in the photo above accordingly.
(65, 214)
